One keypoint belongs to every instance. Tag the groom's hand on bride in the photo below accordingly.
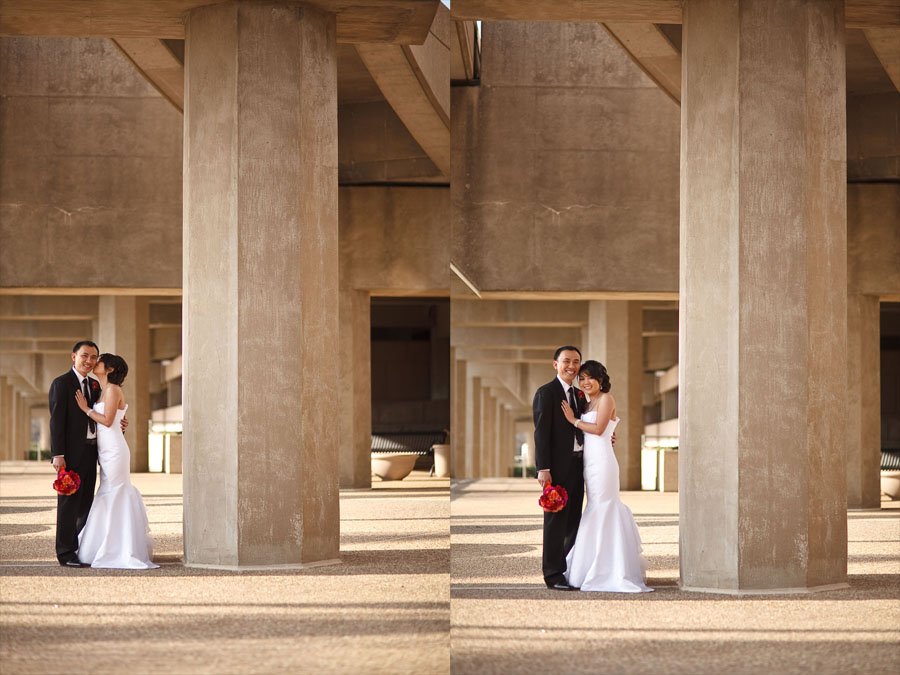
(124, 423)
(544, 478)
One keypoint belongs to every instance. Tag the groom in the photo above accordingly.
(559, 451)
(73, 444)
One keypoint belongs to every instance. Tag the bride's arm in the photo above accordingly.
(605, 408)
(113, 398)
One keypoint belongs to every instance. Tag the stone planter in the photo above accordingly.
(441, 460)
(890, 484)
(393, 467)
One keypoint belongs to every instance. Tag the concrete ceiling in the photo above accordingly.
(413, 79)
(656, 49)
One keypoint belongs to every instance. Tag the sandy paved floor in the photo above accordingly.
(505, 621)
(385, 609)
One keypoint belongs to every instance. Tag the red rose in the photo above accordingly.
(580, 393)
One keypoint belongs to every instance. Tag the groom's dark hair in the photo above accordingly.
(567, 348)
(117, 363)
(79, 345)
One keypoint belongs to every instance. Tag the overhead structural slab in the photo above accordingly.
(858, 13)
(394, 21)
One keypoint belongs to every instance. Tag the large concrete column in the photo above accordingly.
(7, 425)
(356, 383)
(458, 421)
(763, 300)
(124, 329)
(489, 435)
(506, 444)
(261, 355)
(474, 419)
(43, 414)
(614, 339)
(23, 427)
(863, 402)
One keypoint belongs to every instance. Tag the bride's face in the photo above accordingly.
(100, 368)
(588, 384)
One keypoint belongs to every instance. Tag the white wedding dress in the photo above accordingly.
(117, 532)
(607, 551)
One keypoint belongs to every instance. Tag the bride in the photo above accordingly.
(117, 532)
(607, 551)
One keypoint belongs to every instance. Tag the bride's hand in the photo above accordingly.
(82, 402)
(567, 411)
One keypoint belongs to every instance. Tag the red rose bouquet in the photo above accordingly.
(554, 498)
(67, 483)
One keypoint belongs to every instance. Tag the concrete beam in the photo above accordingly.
(415, 80)
(857, 13)
(391, 21)
(90, 290)
(514, 338)
(660, 322)
(885, 42)
(71, 331)
(652, 51)
(523, 314)
(656, 11)
(166, 315)
(462, 51)
(31, 308)
(156, 62)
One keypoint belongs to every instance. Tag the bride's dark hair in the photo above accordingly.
(597, 371)
(117, 363)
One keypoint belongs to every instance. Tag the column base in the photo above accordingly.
(265, 568)
(766, 591)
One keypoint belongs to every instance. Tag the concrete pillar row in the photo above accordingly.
(356, 383)
(124, 330)
(864, 402)
(261, 440)
(763, 297)
(614, 338)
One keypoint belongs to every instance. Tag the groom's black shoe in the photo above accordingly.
(562, 586)
(73, 563)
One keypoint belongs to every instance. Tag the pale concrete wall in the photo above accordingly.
(566, 148)
(873, 238)
(873, 136)
(90, 165)
(395, 240)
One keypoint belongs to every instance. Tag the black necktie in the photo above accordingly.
(579, 434)
(87, 395)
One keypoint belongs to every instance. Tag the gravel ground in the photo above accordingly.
(503, 619)
(384, 609)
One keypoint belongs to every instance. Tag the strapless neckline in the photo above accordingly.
(100, 407)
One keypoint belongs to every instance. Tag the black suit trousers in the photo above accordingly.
(72, 510)
(561, 527)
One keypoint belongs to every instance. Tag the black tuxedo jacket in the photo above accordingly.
(68, 425)
(554, 437)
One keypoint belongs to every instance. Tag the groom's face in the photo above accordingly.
(567, 365)
(85, 359)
